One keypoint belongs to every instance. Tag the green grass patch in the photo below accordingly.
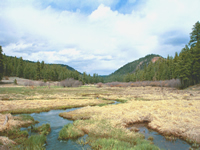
(25, 117)
(100, 105)
(121, 100)
(35, 142)
(16, 135)
(43, 129)
(101, 135)
(69, 131)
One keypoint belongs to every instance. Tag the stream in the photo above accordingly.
(56, 122)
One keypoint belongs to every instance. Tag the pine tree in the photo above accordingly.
(42, 65)
(184, 66)
(37, 70)
(20, 68)
(195, 34)
(175, 66)
(196, 63)
(1, 63)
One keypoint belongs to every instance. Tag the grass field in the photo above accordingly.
(170, 111)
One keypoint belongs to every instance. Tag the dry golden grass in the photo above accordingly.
(6, 141)
(7, 106)
(13, 121)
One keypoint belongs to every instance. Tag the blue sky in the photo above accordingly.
(96, 36)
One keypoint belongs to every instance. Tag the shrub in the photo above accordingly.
(99, 84)
(175, 83)
(70, 82)
(28, 83)
(42, 83)
(15, 82)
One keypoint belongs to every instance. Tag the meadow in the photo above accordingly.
(171, 112)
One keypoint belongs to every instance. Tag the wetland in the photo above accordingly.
(169, 113)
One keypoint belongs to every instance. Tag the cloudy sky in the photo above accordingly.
(96, 36)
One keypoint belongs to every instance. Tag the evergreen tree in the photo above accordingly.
(195, 34)
(196, 63)
(175, 66)
(42, 65)
(20, 68)
(15, 66)
(1, 63)
(37, 70)
(184, 66)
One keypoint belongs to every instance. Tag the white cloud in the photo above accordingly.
(103, 39)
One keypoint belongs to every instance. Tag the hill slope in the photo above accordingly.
(137, 64)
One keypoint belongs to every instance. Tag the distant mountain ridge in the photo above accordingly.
(137, 64)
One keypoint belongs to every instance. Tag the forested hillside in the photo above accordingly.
(13, 66)
(135, 65)
(130, 68)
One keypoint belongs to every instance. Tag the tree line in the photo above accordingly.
(13, 66)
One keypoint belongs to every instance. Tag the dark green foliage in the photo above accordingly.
(195, 34)
(1, 63)
(184, 67)
(37, 70)
(20, 68)
(196, 62)
(15, 81)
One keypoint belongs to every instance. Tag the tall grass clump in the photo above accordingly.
(70, 132)
(35, 142)
(43, 129)
(16, 135)
(25, 117)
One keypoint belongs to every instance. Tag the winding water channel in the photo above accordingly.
(56, 122)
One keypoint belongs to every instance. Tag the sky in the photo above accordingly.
(95, 36)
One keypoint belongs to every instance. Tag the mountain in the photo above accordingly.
(137, 64)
